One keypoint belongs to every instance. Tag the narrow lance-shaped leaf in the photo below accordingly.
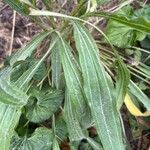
(74, 128)
(56, 67)
(27, 76)
(94, 144)
(97, 91)
(11, 95)
(55, 142)
(18, 6)
(135, 90)
(122, 81)
(133, 109)
(28, 49)
(11, 102)
(135, 24)
(74, 82)
(75, 104)
(144, 68)
(9, 117)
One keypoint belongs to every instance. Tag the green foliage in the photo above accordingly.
(96, 87)
(41, 139)
(42, 104)
(125, 36)
(78, 83)
(99, 2)
(18, 6)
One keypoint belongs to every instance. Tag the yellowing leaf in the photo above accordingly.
(133, 109)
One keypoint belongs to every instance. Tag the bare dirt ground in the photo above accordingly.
(15, 30)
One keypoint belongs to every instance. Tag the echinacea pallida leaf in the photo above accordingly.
(42, 104)
(73, 125)
(97, 91)
(94, 144)
(55, 142)
(18, 6)
(56, 67)
(28, 49)
(10, 111)
(133, 23)
(133, 109)
(41, 139)
(25, 78)
(122, 82)
(73, 80)
(11, 95)
(61, 128)
(9, 117)
(135, 90)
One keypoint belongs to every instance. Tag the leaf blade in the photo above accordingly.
(96, 87)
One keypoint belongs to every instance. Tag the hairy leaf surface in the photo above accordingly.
(73, 125)
(97, 91)
(28, 49)
(74, 83)
(135, 90)
(9, 117)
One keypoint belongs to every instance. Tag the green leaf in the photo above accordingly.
(56, 67)
(11, 95)
(61, 128)
(18, 6)
(94, 144)
(97, 91)
(135, 90)
(122, 82)
(99, 2)
(43, 104)
(9, 117)
(144, 12)
(74, 83)
(124, 37)
(23, 81)
(18, 70)
(133, 23)
(55, 144)
(41, 71)
(28, 49)
(144, 68)
(73, 125)
(145, 44)
(41, 139)
(12, 100)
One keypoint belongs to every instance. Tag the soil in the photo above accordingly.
(25, 29)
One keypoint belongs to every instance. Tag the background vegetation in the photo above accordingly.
(82, 82)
